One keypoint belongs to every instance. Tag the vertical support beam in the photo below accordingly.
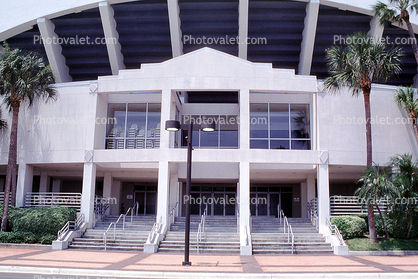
(44, 182)
(163, 191)
(24, 183)
(244, 116)
(87, 197)
(323, 196)
(310, 185)
(243, 28)
(53, 51)
(175, 30)
(107, 188)
(116, 193)
(376, 29)
(308, 37)
(165, 136)
(112, 37)
(303, 199)
(174, 178)
(56, 185)
(244, 205)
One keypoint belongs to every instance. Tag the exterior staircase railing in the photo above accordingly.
(114, 224)
(70, 226)
(201, 229)
(287, 228)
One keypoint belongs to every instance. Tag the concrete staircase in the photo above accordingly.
(132, 238)
(220, 236)
(268, 237)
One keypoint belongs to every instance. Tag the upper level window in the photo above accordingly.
(224, 136)
(135, 126)
(280, 126)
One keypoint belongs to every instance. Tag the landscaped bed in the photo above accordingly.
(364, 244)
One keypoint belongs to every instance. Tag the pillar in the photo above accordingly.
(44, 182)
(107, 189)
(303, 199)
(244, 205)
(163, 191)
(116, 193)
(323, 195)
(24, 183)
(56, 185)
(87, 197)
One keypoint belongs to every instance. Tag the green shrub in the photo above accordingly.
(47, 238)
(4, 237)
(41, 220)
(350, 226)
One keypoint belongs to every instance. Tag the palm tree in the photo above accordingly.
(398, 12)
(23, 78)
(376, 186)
(406, 179)
(405, 98)
(363, 61)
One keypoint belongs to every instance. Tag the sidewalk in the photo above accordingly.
(112, 264)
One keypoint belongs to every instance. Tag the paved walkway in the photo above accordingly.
(112, 264)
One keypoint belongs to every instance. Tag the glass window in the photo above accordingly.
(259, 120)
(228, 134)
(279, 121)
(225, 134)
(135, 126)
(287, 126)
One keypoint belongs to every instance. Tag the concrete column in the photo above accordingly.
(116, 193)
(56, 185)
(44, 182)
(87, 197)
(107, 188)
(303, 199)
(244, 115)
(323, 195)
(310, 187)
(163, 191)
(24, 183)
(244, 205)
(174, 178)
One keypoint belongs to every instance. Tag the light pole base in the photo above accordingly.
(186, 263)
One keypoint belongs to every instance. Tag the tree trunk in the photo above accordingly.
(412, 36)
(372, 224)
(366, 94)
(10, 165)
(414, 124)
(383, 221)
(13, 152)
(410, 221)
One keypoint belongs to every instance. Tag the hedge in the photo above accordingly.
(350, 226)
(35, 224)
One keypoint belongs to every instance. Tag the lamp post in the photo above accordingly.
(174, 125)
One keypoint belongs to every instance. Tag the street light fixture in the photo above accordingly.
(174, 125)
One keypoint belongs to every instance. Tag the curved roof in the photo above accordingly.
(291, 34)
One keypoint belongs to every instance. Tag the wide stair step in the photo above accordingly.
(268, 237)
(220, 236)
(132, 238)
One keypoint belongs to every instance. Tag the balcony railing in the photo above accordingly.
(49, 199)
(2, 198)
(347, 205)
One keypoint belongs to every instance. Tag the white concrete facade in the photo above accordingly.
(65, 140)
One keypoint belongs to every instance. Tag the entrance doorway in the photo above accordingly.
(267, 200)
(220, 200)
(146, 197)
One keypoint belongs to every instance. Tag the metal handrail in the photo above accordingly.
(313, 212)
(171, 216)
(201, 228)
(70, 225)
(154, 231)
(335, 231)
(114, 230)
(287, 227)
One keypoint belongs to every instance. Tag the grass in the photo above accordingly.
(364, 244)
